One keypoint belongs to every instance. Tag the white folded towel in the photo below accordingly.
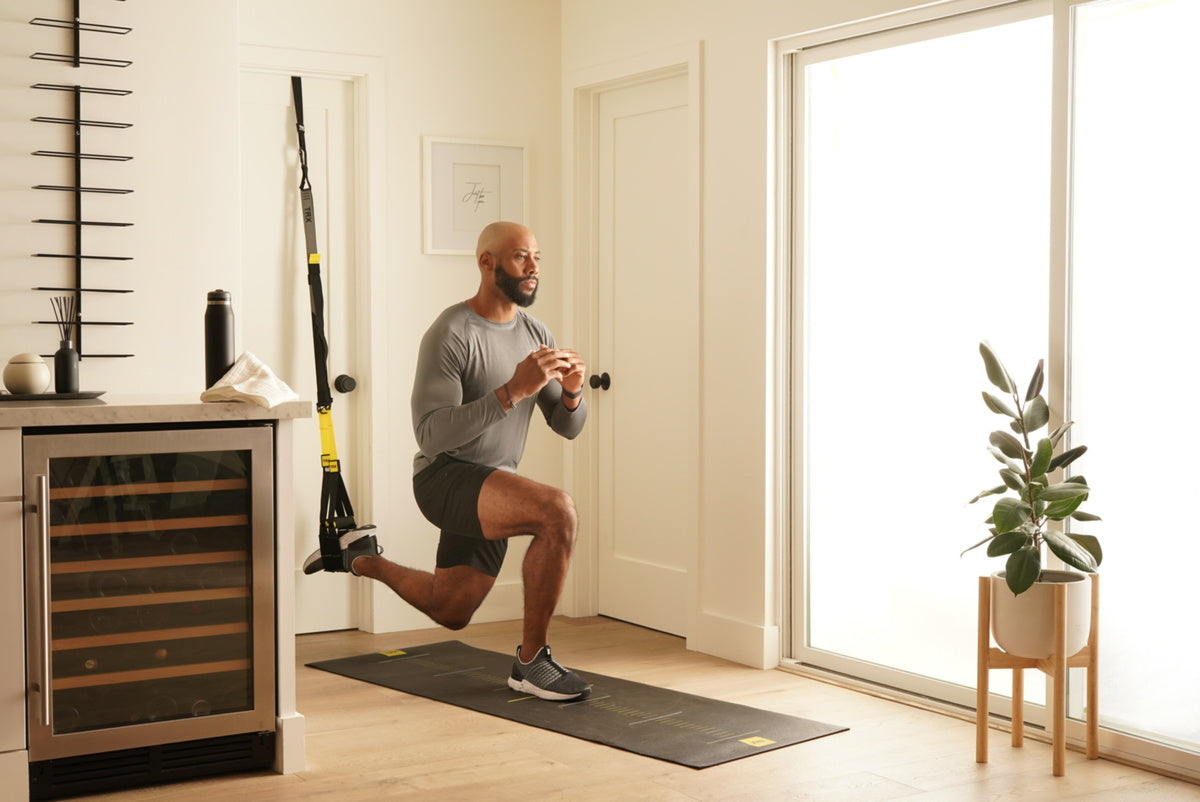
(250, 380)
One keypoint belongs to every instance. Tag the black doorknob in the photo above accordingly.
(344, 383)
(602, 382)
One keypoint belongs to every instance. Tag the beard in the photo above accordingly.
(511, 287)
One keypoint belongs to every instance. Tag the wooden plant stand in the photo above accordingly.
(1054, 666)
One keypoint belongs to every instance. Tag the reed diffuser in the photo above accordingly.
(66, 358)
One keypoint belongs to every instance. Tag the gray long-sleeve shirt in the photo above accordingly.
(462, 360)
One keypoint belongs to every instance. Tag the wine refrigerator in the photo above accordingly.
(150, 634)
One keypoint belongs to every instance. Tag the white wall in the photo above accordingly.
(491, 69)
(184, 205)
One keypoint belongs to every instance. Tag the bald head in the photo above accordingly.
(496, 237)
(507, 256)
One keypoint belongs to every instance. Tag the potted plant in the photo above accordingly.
(1019, 524)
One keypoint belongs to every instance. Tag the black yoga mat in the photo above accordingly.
(679, 727)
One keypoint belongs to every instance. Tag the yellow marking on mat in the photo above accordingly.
(314, 258)
(394, 653)
(521, 699)
(757, 741)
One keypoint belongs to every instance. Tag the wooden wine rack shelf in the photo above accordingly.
(141, 675)
(141, 599)
(150, 636)
(157, 561)
(147, 488)
(125, 527)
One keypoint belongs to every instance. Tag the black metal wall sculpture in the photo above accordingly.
(76, 122)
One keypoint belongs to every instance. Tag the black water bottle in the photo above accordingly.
(218, 337)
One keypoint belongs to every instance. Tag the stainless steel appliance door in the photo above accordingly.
(150, 587)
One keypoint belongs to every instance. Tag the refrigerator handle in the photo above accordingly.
(43, 513)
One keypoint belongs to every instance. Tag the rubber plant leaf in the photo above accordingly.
(996, 373)
(1060, 431)
(1007, 543)
(995, 491)
(1009, 514)
(977, 545)
(1067, 457)
(1063, 508)
(998, 406)
(1009, 445)
(1042, 457)
(1037, 414)
(1062, 491)
(1012, 465)
(1035, 384)
(1070, 552)
(1013, 479)
(1022, 569)
(1090, 544)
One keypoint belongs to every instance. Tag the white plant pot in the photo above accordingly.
(1023, 625)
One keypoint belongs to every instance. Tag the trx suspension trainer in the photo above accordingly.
(337, 513)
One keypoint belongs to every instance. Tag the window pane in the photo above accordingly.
(926, 231)
(1135, 281)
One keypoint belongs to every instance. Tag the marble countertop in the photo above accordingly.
(126, 409)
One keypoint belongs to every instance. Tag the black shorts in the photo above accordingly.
(447, 493)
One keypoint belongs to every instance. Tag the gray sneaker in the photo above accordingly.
(356, 543)
(545, 678)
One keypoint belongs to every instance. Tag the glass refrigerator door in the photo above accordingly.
(149, 561)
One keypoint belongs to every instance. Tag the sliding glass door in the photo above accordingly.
(1135, 284)
(926, 227)
(935, 204)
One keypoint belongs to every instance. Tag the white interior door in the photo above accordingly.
(648, 343)
(274, 314)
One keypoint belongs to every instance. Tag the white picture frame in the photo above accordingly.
(468, 184)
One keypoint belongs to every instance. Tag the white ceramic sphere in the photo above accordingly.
(27, 374)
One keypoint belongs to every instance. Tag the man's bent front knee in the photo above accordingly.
(560, 519)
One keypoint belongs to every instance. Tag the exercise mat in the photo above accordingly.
(656, 722)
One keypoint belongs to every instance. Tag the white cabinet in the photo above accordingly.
(12, 603)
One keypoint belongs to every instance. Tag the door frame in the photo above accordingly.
(366, 75)
(581, 100)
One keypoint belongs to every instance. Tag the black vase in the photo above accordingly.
(66, 368)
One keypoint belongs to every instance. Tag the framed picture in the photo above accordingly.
(468, 185)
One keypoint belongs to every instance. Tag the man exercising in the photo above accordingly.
(482, 367)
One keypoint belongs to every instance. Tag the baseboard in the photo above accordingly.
(752, 645)
(289, 744)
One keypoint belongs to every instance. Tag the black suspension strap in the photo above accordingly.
(337, 513)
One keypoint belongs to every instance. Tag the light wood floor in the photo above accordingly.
(367, 743)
